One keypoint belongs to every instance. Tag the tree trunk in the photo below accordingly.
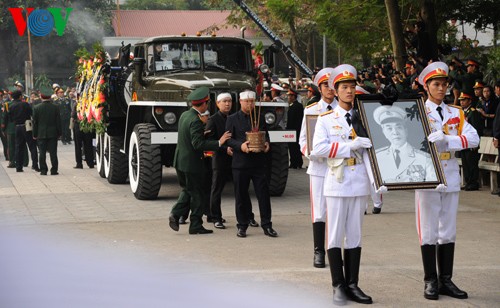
(397, 39)
(428, 15)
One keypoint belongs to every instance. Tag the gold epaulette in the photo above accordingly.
(313, 104)
(325, 113)
(472, 109)
(455, 106)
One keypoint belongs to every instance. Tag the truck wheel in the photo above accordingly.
(144, 163)
(99, 159)
(115, 162)
(278, 171)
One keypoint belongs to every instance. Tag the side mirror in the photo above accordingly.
(139, 70)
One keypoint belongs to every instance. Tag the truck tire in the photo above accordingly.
(115, 162)
(278, 169)
(144, 162)
(99, 155)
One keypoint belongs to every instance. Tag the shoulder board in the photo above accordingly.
(472, 109)
(325, 113)
(313, 104)
(455, 106)
(382, 149)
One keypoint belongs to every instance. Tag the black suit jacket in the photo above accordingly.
(496, 123)
(216, 127)
(238, 124)
(294, 118)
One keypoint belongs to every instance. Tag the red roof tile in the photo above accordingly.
(137, 23)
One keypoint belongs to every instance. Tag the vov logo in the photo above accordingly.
(40, 22)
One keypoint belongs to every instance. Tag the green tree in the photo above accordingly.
(155, 5)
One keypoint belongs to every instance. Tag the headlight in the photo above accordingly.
(264, 68)
(270, 118)
(170, 118)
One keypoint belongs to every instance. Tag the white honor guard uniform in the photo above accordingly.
(436, 210)
(316, 170)
(347, 184)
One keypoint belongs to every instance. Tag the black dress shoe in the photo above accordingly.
(471, 188)
(173, 222)
(182, 220)
(91, 166)
(447, 287)
(36, 169)
(241, 232)
(376, 210)
(43, 173)
(253, 223)
(269, 231)
(19, 170)
(219, 225)
(431, 290)
(54, 173)
(201, 231)
(78, 167)
(354, 293)
(11, 166)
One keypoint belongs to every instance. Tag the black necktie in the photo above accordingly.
(329, 107)
(439, 111)
(397, 159)
(348, 118)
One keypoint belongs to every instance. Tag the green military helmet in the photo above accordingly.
(199, 96)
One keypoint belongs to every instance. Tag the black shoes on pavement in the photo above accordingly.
(173, 222)
(376, 210)
(253, 223)
(201, 231)
(241, 232)
(269, 231)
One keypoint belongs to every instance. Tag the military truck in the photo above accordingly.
(147, 96)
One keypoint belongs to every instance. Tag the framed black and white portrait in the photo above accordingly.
(401, 156)
(311, 120)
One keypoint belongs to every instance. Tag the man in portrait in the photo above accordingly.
(400, 161)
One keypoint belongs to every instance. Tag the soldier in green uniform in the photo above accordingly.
(466, 79)
(189, 163)
(470, 157)
(46, 130)
(64, 105)
(400, 162)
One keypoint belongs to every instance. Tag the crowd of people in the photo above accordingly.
(33, 124)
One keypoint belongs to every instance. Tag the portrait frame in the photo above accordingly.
(311, 120)
(419, 166)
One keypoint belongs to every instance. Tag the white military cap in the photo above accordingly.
(433, 70)
(386, 114)
(247, 95)
(223, 96)
(55, 85)
(18, 84)
(360, 90)
(276, 87)
(343, 72)
(322, 76)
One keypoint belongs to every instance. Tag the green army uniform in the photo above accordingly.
(470, 157)
(189, 165)
(10, 133)
(46, 130)
(467, 80)
(64, 105)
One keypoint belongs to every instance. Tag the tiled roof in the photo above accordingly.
(137, 23)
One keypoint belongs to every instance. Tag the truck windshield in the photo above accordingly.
(175, 56)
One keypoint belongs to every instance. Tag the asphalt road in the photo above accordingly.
(73, 240)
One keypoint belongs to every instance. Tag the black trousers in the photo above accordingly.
(470, 161)
(219, 179)
(50, 145)
(243, 204)
(5, 144)
(20, 145)
(83, 140)
(295, 155)
(32, 148)
(66, 132)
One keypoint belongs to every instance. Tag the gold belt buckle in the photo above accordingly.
(351, 161)
(445, 155)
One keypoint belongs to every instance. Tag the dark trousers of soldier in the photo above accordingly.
(219, 179)
(32, 148)
(50, 145)
(190, 198)
(470, 161)
(20, 146)
(295, 155)
(3, 137)
(242, 178)
(66, 132)
(207, 184)
(84, 140)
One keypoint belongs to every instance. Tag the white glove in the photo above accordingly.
(381, 189)
(441, 188)
(360, 142)
(436, 136)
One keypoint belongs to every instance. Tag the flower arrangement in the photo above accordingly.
(93, 76)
